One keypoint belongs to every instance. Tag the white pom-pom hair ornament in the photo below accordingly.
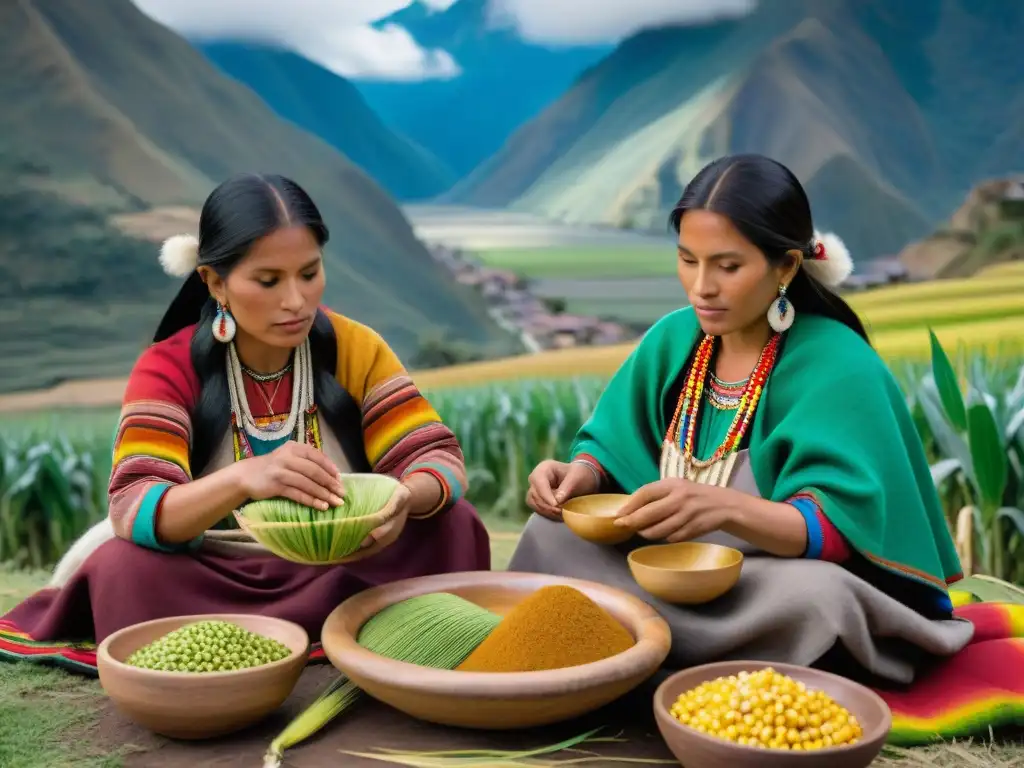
(830, 263)
(179, 255)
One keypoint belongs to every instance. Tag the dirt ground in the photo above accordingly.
(370, 726)
(51, 719)
(366, 727)
(92, 393)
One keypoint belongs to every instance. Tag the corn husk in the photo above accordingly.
(507, 758)
(311, 536)
(434, 630)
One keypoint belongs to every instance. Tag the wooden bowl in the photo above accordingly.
(698, 750)
(689, 573)
(199, 705)
(495, 700)
(593, 517)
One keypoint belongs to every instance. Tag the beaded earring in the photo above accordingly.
(223, 324)
(781, 313)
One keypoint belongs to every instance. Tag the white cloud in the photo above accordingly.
(604, 21)
(334, 33)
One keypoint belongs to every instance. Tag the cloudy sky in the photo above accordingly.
(338, 33)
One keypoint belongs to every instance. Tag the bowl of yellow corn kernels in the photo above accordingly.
(736, 714)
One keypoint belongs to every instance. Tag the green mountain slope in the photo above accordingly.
(107, 113)
(331, 107)
(887, 111)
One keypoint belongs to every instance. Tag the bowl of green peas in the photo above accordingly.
(202, 676)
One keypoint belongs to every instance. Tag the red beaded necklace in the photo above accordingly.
(692, 395)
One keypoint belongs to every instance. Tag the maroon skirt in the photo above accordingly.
(121, 583)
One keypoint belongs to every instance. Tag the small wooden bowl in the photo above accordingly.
(593, 517)
(698, 750)
(199, 705)
(495, 700)
(689, 573)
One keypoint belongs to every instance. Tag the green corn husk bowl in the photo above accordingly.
(310, 536)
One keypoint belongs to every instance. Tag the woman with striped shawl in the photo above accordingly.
(253, 390)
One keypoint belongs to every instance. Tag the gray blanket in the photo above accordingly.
(782, 610)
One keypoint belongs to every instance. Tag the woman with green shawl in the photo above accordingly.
(760, 417)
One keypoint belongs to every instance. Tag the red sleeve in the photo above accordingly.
(153, 441)
(164, 372)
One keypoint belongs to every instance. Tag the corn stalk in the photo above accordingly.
(981, 439)
(505, 429)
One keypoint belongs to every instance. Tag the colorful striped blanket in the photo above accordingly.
(79, 658)
(979, 689)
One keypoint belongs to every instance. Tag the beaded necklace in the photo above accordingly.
(301, 424)
(264, 378)
(683, 426)
(726, 395)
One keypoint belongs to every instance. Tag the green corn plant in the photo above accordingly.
(50, 492)
(981, 439)
(504, 430)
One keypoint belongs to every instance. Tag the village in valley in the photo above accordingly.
(528, 307)
(542, 322)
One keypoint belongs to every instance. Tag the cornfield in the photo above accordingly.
(54, 470)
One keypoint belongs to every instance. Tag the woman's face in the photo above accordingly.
(274, 291)
(727, 279)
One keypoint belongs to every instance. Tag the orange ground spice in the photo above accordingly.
(555, 627)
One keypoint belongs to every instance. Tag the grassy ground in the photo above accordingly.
(46, 715)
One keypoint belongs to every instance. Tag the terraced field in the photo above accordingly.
(984, 312)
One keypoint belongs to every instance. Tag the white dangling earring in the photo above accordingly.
(224, 326)
(781, 313)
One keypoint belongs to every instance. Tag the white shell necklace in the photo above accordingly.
(302, 397)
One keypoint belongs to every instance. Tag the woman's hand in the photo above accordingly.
(294, 471)
(385, 535)
(680, 510)
(676, 510)
(553, 483)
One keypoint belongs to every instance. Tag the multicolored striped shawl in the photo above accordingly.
(402, 433)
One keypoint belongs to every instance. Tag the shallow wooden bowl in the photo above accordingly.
(269, 534)
(495, 700)
(593, 517)
(199, 705)
(698, 750)
(690, 572)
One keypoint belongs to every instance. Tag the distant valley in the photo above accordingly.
(100, 131)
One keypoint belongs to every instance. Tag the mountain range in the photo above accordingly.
(115, 129)
(331, 107)
(112, 118)
(888, 111)
(504, 82)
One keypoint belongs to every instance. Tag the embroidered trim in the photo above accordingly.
(897, 568)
